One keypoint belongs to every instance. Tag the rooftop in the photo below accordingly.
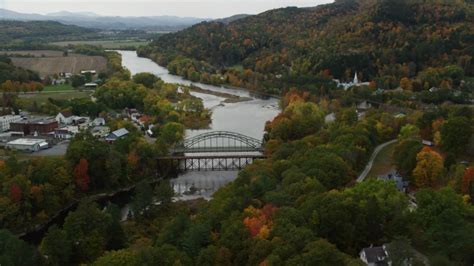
(375, 255)
(25, 141)
(37, 121)
(120, 132)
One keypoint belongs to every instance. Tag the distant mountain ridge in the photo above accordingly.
(92, 20)
(381, 40)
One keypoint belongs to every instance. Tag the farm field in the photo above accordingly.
(52, 65)
(107, 44)
(36, 53)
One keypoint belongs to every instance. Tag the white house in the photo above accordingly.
(25, 144)
(375, 256)
(65, 118)
(6, 120)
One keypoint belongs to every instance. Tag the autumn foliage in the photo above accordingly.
(81, 176)
(429, 168)
(15, 193)
(467, 179)
(259, 221)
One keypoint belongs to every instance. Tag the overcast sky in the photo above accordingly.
(194, 8)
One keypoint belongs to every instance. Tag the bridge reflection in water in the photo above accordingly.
(214, 151)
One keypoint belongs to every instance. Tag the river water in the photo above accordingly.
(247, 118)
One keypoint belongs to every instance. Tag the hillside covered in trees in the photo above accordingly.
(382, 40)
(16, 34)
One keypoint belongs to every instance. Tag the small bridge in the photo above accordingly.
(214, 151)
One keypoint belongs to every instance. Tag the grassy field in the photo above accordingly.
(40, 98)
(107, 44)
(383, 163)
(53, 65)
(63, 87)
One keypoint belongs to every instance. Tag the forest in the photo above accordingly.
(382, 41)
(303, 204)
(26, 35)
(299, 206)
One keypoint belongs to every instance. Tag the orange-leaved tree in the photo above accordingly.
(259, 221)
(429, 167)
(467, 179)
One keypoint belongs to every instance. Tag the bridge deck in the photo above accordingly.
(182, 157)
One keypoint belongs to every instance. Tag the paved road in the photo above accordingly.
(56, 150)
(369, 165)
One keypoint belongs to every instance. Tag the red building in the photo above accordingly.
(39, 126)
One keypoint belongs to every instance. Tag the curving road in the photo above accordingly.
(369, 165)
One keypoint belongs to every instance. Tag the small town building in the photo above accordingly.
(91, 85)
(117, 134)
(427, 143)
(25, 144)
(394, 176)
(100, 131)
(93, 72)
(82, 122)
(130, 112)
(144, 120)
(67, 132)
(364, 106)
(375, 256)
(6, 120)
(64, 118)
(99, 121)
(39, 126)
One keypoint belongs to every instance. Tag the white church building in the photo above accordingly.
(354, 83)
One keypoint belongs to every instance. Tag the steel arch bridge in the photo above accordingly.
(213, 151)
(218, 141)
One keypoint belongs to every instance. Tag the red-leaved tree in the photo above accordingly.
(15, 193)
(81, 176)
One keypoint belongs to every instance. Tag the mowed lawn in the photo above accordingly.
(383, 163)
(62, 87)
(107, 44)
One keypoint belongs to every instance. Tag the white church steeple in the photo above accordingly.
(356, 80)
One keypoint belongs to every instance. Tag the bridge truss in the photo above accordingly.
(218, 141)
(214, 151)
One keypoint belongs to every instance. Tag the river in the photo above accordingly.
(247, 118)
